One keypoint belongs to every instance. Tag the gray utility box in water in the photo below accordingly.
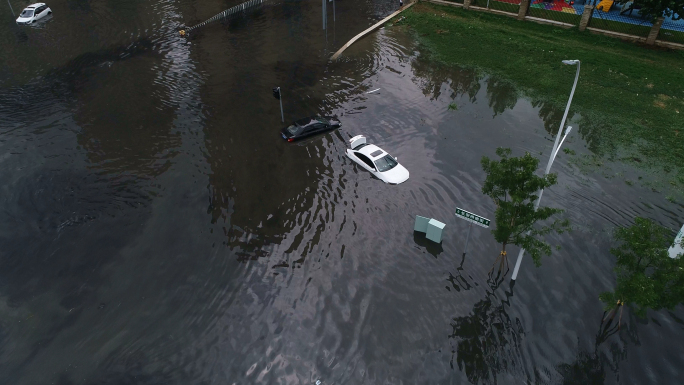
(421, 224)
(431, 227)
(434, 230)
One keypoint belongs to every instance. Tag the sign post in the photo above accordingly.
(472, 218)
(470, 227)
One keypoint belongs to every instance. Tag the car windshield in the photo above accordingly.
(26, 13)
(385, 163)
(293, 129)
(322, 120)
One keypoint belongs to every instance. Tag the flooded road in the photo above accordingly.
(155, 228)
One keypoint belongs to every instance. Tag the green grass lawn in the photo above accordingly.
(630, 97)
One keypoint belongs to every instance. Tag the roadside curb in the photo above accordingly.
(371, 29)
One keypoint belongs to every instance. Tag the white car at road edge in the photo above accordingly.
(376, 160)
(33, 13)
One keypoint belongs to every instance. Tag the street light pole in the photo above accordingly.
(11, 9)
(556, 146)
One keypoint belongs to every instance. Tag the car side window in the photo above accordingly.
(38, 10)
(314, 127)
(365, 160)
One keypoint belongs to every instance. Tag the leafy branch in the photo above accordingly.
(647, 278)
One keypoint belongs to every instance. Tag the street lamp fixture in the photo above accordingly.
(556, 146)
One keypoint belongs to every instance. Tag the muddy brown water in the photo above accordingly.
(155, 228)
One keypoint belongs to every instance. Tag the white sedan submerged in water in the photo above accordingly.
(376, 160)
(33, 13)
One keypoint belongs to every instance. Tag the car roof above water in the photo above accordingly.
(308, 120)
(35, 5)
(370, 151)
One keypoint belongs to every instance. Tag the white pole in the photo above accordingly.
(677, 246)
(560, 144)
(552, 157)
(11, 9)
(282, 116)
(565, 114)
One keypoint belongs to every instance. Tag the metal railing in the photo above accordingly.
(620, 18)
(510, 6)
(227, 13)
(672, 31)
(562, 11)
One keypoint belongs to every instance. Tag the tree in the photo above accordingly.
(647, 278)
(654, 9)
(513, 185)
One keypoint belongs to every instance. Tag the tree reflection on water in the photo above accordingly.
(502, 95)
(488, 343)
(590, 368)
(432, 77)
(488, 340)
(587, 369)
(592, 129)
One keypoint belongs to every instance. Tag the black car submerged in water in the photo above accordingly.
(309, 126)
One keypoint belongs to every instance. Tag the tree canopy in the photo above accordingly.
(514, 186)
(647, 278)
(656, 8)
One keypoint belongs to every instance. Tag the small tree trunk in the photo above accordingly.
(501, 259)
(606, 316)
(522, 11)
(619, 304)
(586, 16)
(653, 35)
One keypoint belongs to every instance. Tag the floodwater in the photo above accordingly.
(155, 228)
